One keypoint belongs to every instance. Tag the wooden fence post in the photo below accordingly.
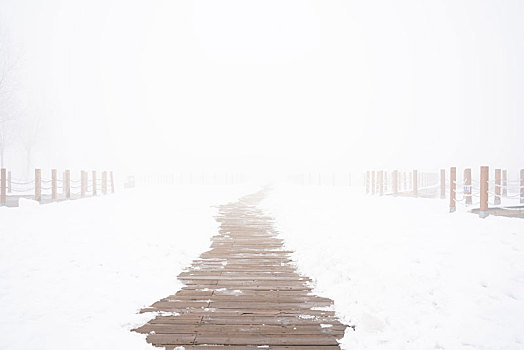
(9, 181)
(38, 185)
(504, 183)
(83, 183)
(415, 183)
(53, 185)
(380, 181)
(452, 189)
(496, 201)
(467, 186)
(442, 183)
(94, 182)
(386, 183)
(104, 182)
(3, 195)
(394, 177)
(113, 182)
(67, 184)
(405, 182)
(373, 182)
(367, 182)
(521, 186)
(484, 186)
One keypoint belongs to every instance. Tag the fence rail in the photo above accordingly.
(45, 190)
(436, 184)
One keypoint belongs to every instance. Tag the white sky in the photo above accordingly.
(303, 84)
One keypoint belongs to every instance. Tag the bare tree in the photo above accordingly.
(30, 132)
(7, 108)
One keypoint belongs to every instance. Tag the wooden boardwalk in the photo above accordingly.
(244, 293)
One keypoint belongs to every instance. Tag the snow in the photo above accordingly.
(73, 275)
(404, 271)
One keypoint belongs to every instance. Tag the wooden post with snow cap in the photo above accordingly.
(415, 183)
(452, 189)
(104, 182)
(3, 194)
(521, 186)
(394, 178)
(373, 182)
(113, 182)
(467, 187)
(94, 182)
(38, 185)
(53, 185)
(498, 176)
(380, 182)
(504, 183)
(442, 183)
(83, 183)
(67, 184)
(484, 186)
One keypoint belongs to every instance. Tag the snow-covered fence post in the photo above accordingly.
(373, 182)
(38, 185)
(467, 186)
(94, 182)
(497, 186)
(367, 182)
(104, 182)
(452, 189)
(405, 182)
(83, 183)
(395, 181)
(504, 183)
(3, 195)
(386, 183)
(53, 184)
(113, 182)
(67, 184)
(9, 181)
(381, 182)
(484, 186)
(415, 183)
(521, 185)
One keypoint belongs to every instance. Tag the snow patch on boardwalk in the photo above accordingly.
(407, 273)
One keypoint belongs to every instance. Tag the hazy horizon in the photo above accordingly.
(266, 85)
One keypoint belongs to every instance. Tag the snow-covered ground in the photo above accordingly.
(74, 274)
(404, 271)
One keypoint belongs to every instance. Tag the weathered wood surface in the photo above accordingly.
(244, 293)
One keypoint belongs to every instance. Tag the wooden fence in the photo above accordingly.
(483, 192)
(54, 188)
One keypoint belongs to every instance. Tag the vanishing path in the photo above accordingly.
(244, 293)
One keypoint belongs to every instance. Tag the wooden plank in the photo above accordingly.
(244, 293)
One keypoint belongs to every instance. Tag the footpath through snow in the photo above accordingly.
(404, 271)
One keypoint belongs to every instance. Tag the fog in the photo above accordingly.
(262, 86)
